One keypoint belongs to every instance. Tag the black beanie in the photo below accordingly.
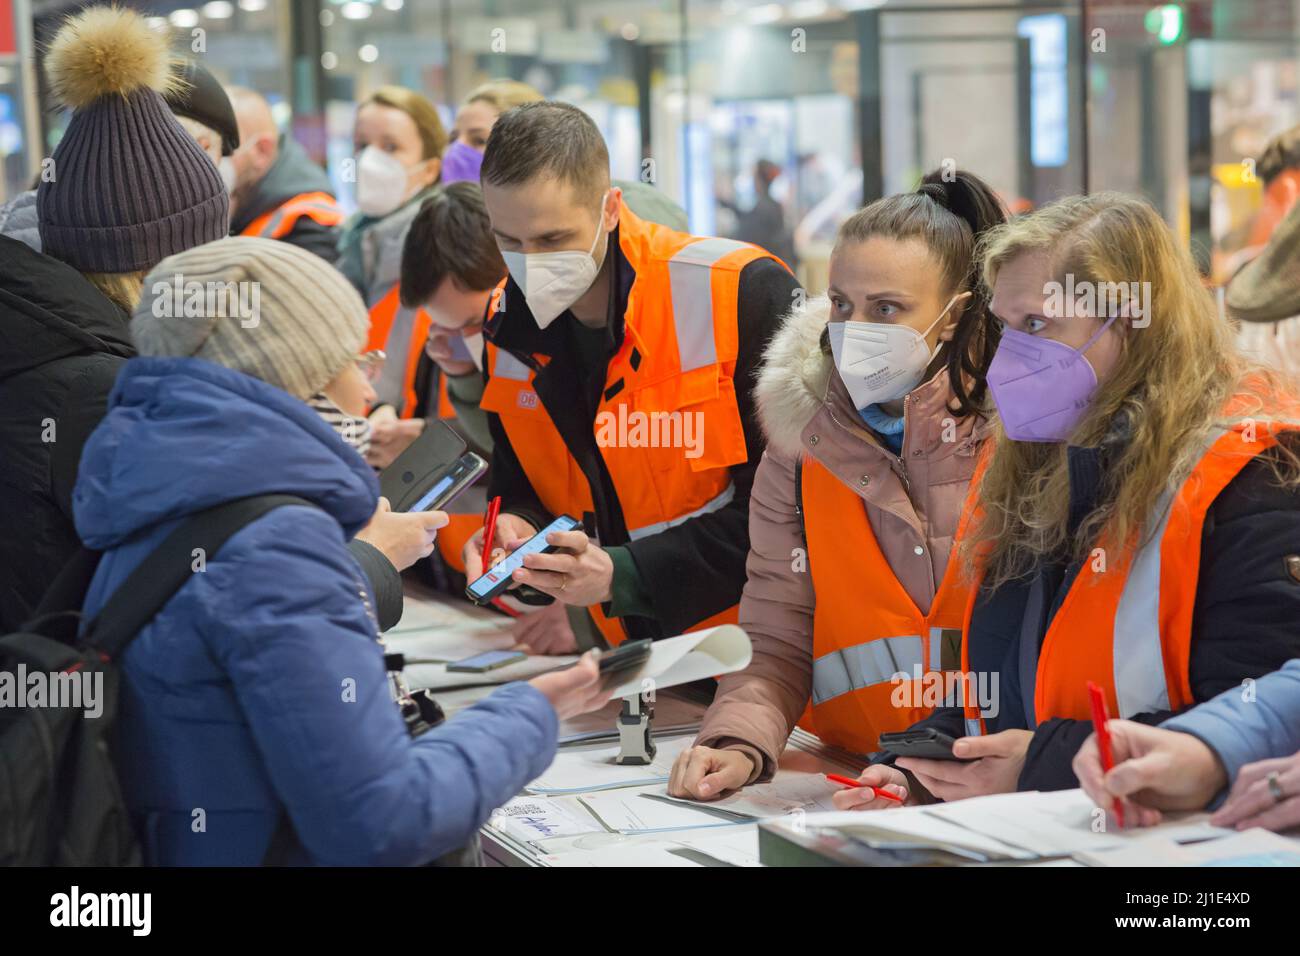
(128, 185)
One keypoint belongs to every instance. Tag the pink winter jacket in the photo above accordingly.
(913, 503)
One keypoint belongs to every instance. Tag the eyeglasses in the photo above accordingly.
(372, 364)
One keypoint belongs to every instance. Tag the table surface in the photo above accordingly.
(429, 615)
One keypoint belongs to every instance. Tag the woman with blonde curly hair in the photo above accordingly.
(1137, 522)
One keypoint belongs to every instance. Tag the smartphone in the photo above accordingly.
(497, 578)
(466, 470)
(487, 661)
(925, 742)
(624, 657)
(436, 455)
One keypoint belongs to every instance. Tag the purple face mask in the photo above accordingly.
(1042, 388)
(461, 163)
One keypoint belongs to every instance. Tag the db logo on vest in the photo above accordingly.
(527, 399)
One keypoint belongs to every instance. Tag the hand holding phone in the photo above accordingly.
(479, 558)
(923, 742)
(498, 578)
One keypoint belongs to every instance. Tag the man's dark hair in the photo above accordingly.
(547, 139)
(451, 235)
(1281, 153)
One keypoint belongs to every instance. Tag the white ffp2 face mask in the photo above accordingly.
(553, 281)
(474, 343)
(227, 170)
(879, 362)
(381, 182)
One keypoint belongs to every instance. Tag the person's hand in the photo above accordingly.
(993, 765)
(1153, 770)
(879, 775)
(545, 631)
(509, 528)
(579, 573)
(403, 537)
(1253, 802)
(574, 690)
(703, 773)
(438, 348)
(390, 436)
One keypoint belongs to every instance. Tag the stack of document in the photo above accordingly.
(1002, 827)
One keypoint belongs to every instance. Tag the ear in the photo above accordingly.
(613, 209)
(429, 174)
(953, 318)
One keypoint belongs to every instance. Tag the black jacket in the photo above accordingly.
(1245, 621)
(690, 571)
(292, 174)
(62, 343)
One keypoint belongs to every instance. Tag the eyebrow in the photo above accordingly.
(888, 294)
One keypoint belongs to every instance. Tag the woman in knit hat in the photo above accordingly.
(125, 187)
(259, 691)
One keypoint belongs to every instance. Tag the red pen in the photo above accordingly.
(490, 528)
(1099, 718)
(850, 782)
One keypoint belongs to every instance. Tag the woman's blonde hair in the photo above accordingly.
(433, 137)
(121, 288)
(504, 95)
(1159, 407)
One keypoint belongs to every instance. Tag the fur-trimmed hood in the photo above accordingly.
(792, 382)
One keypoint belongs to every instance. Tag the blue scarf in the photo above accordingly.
(885, 425)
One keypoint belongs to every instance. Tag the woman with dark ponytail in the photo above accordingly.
(873, 401)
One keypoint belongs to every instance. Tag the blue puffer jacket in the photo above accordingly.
(261, 686)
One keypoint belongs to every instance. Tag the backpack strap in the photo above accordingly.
(163, 572)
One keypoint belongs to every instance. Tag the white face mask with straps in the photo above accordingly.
(553, 281)
(879, 362)
(383, 183)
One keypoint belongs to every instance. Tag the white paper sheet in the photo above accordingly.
(680, 660)
(531, 818)
(638, 810)
(1255, 847)
(913, 825)
(588, 769)
(1058, 823)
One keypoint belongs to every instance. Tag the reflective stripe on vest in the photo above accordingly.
(877, 662)
(320, 207)
(710, 506)
(677, 359)
(692, 296)
(401, 333)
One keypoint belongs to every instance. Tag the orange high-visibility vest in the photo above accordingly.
(404, 352)
(866, 628)
(1126, 622)
(278, 223)
(674, 371)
